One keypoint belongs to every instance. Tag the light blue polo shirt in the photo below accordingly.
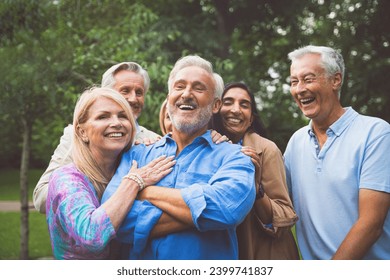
(324, 184)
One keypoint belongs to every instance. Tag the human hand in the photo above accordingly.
(147, 141)
(155, 170)
(218, 138)
(249, 151)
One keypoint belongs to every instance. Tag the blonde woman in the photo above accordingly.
(80, 226)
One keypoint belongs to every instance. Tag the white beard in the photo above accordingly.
(192, 125)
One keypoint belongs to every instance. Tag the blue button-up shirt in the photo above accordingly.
(217, 184)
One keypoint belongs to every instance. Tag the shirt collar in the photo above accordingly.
(340, 125)
(204, 137)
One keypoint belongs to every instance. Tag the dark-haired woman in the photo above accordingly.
(266, 231)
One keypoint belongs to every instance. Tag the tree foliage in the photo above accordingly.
(53, 50)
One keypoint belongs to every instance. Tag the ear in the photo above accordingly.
(337, 81)
(83, 134)
(217, 105)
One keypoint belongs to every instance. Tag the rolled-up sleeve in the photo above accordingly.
(228, 196)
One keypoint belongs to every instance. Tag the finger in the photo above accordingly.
(155, 162)
(147, 141)
(166, 163)
(222, 139)
(134, 165)
(163, 173)
(256, 163)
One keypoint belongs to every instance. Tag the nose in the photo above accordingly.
(235, 108)
(131, 97)
(301, 87)
(186, 92)
(116, 122)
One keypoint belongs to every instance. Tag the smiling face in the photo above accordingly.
(107, 129)
(131, 86)
(191, 100)
(315, 93)
(236, 113)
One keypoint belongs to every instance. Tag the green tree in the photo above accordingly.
(30, 75)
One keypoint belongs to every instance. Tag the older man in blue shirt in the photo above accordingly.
(194, 210)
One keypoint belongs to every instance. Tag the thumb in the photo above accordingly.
(134, 165)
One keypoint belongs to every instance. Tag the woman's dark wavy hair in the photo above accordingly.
(257, 125)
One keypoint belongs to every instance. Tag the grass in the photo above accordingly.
(10, 185)
(39, 241)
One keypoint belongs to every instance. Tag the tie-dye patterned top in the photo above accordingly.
(78, 227)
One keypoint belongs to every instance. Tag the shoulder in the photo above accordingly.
(146, 133)
(227, 152)
(66, 172)
(67, 179)
(372, 124)
(261, 144)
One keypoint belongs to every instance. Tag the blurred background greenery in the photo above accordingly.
(39, 241)
(51, 50)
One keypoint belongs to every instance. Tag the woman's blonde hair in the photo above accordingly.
(82, 156)
(163, 111)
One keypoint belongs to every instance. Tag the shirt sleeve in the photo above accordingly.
(376, 167)
(273, 180)
(62, 156)
(228, 196)
(77, 210)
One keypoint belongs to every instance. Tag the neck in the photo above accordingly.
(183, 139)
(107, 164)
(322, 125)
(235, 138)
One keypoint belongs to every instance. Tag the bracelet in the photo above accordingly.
(136, 178)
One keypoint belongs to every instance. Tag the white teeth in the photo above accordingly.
(306, 100)
(234, 120)
(186, 107)
(115, 134)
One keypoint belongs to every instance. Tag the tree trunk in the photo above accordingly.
(24, 230)
(224, 29)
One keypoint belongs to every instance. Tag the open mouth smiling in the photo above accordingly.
(233, 120)
(115, 135)
(186, 107)
(306, 101)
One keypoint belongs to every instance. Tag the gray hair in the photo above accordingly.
(108, 79)
(331, 60)
(219, 85)
(192, 60)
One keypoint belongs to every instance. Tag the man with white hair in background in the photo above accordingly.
(133, 82)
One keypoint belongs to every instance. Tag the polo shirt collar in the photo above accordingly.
(340, 125)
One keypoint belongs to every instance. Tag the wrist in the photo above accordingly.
(136, 178)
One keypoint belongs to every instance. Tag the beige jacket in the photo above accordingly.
(63, 155)
(255, 241)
